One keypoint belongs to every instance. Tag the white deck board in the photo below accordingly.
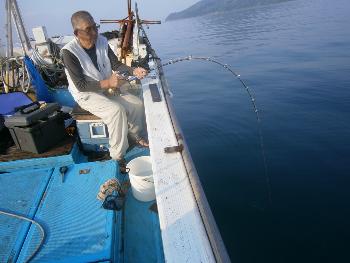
(183, 233)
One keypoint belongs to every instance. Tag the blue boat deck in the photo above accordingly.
(20, 192)
(77, 228)
(142, 240)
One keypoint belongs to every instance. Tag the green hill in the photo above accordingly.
(211, 6)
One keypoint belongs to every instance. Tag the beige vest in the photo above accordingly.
(104, 65)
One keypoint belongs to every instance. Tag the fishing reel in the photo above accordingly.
(127, 77)
(123, 76)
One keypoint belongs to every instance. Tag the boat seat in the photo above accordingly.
(79, 113)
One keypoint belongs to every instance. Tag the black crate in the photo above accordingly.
(40, 136)
(5, 140)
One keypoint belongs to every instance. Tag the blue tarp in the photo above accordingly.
(41, 90)
(62, 95)
(9, 101)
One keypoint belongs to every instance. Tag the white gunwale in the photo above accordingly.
(183, 232)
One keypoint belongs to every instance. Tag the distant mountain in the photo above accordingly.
(211, 6)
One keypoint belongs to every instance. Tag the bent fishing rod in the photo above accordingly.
(251, 97)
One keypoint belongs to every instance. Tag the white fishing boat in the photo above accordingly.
(48, 206)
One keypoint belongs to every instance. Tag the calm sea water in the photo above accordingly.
(295, 56)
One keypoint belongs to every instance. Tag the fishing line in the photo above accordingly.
(252, 99)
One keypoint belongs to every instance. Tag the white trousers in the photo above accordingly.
(123, 114)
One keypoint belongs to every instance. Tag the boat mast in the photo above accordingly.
(126, 27)
(126, 31)
(11, 75)
(9, 50)
(12, 11)
(26, 46)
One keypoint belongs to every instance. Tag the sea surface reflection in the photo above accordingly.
(295, 57)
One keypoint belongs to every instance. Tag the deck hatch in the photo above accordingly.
(20, 192)
(77, 228)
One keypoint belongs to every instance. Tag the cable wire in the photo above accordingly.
(50, 71)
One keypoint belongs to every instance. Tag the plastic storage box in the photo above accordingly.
(37, 129)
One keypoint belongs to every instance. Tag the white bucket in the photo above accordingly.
(141, 178)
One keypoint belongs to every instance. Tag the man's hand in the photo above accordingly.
(114, 80)
(139, 72)
(111, 83)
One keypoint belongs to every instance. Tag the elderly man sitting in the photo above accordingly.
(90, 63)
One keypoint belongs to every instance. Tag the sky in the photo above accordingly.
(55, 15)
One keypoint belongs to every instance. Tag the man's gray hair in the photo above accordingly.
(79, 16)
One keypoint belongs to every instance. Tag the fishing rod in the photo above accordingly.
(252, 99)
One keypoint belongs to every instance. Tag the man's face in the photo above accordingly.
(87, 32)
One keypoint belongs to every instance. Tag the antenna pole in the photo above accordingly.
(9, 50)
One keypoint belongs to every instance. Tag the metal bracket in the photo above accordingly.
(174, 149)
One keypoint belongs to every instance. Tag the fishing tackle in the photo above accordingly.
(126, 76)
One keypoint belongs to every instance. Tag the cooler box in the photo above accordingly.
(36, 128)
(92, 131)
